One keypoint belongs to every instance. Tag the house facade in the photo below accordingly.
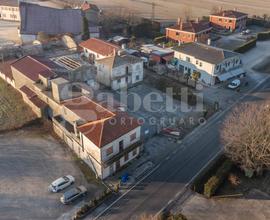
(191, 31)
(213, 64)
(231, 20)
(95, 49)
(119, 71)
(9, 10)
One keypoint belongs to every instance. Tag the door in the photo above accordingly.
(121, 146)
(118, 165)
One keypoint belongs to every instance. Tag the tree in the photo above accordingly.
(43, 37)
(86, 33)
(246, 135)
(196, 76)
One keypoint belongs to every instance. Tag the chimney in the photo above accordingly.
(235, 9)
(197, 20)
(181, 25)
(179, 21)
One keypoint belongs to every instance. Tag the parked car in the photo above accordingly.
(61, 183)
(73, 194)
(247, 31)
(234, 84)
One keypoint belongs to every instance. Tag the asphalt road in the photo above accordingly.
(197, 149)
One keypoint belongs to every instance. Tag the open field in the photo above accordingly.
(14, 113)
(171, 9)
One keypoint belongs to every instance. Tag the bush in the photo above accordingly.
(211, 186)
(263, 36)
(160, 39)
(247, 46)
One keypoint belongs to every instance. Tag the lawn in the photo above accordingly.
(14, 113)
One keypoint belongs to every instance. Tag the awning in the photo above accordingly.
(231, 74)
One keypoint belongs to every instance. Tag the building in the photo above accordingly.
(190, 31)
(51, 21)
(157, 54)
(231, 20)
(213, 64)
(9, 10)
(101, 134)
(104, 139)
(96, 49)
(119, 71)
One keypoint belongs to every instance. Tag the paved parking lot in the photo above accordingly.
(29, 161)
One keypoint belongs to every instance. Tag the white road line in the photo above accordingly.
(152, 171)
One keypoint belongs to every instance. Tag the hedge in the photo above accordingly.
(160, 39)
(211, 186)
(247, 46)
(263, 36)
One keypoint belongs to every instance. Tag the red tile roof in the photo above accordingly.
(192, 26)
(230, 14)
(106, 131)
(87, 110)
(32, 96)
(6, 69)
(99, 46)
(86, 5)
(32, 67)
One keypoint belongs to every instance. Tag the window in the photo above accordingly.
(188, 59)
(109, 151)
(133, 137)
(119, 80)
(197, 62)
(137, 77)
(126, 157)
(177, 33)
(200, 63)
(134, 152)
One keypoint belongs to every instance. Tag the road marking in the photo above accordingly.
(137, 183)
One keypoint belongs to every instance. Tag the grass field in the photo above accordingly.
(14, 113)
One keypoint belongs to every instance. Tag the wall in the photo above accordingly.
(137, 70)
(26, 38)
(20, 79)
(228, 23)
(9, 13)
(34, 108)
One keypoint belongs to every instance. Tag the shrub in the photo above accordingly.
(263, 36)
(160, 39)
(211, 186)
(247, 46)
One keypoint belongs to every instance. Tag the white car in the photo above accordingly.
(234, 84)
(61, 183)
(73, 194)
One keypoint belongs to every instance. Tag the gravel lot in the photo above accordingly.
(29, 161)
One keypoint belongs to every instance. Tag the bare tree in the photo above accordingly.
(187, 13)
(246, 135)
(215, 9)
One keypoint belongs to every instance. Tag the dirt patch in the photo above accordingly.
(264, 66)
(14, 113)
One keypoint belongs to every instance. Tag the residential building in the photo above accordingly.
(119, 71)
(52, 21)
(91, 12)
(9, 10)
(229, 19)
(105, 140)
(95, 49)
(213, 64)
(190, 31)
(101, 134)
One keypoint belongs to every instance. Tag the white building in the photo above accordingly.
(213, 64)
(106, 140)
(96, 49)
(119, 72)
(9, 10)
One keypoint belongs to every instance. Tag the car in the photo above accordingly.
(73, 194)
(61, 183)
(234, 84)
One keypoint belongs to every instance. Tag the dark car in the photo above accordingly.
(73, 194)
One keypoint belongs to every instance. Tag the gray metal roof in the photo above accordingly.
(204, 52)
(36, 18)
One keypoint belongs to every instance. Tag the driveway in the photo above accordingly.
(29, 161)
